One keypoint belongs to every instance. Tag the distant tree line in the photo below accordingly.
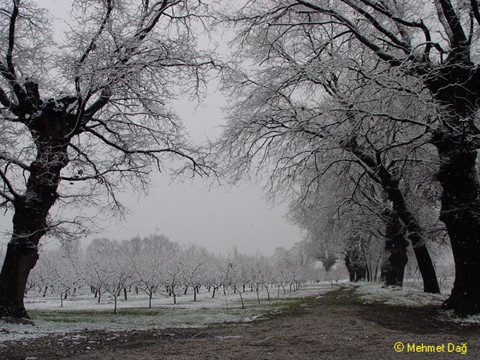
(157, 267)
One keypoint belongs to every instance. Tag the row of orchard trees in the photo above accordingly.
(157, 266)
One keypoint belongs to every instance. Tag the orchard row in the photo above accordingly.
(157, 266)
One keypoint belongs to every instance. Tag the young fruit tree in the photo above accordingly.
(84, 117)
(432, 44)
(110, 271)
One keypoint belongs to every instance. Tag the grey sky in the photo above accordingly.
(190, 212)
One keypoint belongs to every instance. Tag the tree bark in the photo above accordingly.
(31, 212)
(396, 245)
(461, 214)
(20, 258)
(456, 87)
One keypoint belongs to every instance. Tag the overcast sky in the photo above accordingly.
(191, 212)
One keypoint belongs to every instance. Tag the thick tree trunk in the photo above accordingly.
(422, 255)
(396, 245)
(461, 214)
(457, 88)
(424, 261)
(20, 258)
(425, 264)
(30, 223)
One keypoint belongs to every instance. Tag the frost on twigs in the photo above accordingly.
(90, 114)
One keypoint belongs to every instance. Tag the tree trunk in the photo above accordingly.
(31, 212)
(461, 214)
(396, 245)
(425, 264)
(20, 258)
(350, 269)
(457, 88)
(391, 187)
(241, 298)
(355, 259)
(115, 297)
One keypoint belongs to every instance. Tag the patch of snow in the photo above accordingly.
(82, 312)
(410, 295)
(465, 321)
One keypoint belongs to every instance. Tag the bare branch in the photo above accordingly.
(9, 186)
(395, 40)
(459, 39)
(11, 37)
(356, 32)
(475, 10)
(11, 160)
(92, 45)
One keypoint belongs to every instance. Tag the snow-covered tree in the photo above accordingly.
(193, 260)
(108, 268)
(427, 52)
(59, 273)
(84, 117)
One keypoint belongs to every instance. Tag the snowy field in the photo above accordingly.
(81, 311)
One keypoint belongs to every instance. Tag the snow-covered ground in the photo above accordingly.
(81, 311)
(411, 295)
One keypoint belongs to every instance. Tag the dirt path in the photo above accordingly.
(335, 326)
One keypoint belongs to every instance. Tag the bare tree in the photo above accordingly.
(193, 262)
(433, 46)
(59, 273)
(109, 269)
(92, 110)
(357, 131)
(148, 276)
(344, 216)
